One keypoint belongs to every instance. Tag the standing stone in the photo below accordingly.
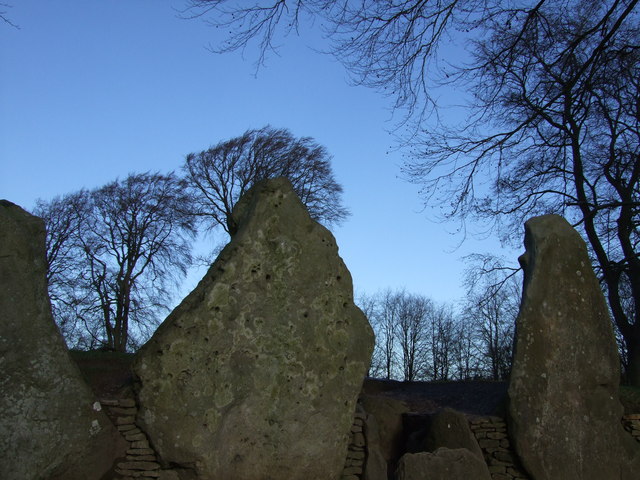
(564, 405)
(51, 427)
(255, 375)
(443, 464)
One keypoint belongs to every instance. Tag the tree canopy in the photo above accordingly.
(111, 254)
(219, 176)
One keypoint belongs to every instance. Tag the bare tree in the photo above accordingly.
(465, 359)
(554, 120)
(219, 176)
(386, 324)
(4, 17)
(113, 252)
(369, 306)
(492, 314)
(441, 342)
(385, 45)
(411, 330)
(64, 217)
(557, 127)
(490, 310)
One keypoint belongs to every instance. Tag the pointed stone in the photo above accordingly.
(258, 370)
(51, 425)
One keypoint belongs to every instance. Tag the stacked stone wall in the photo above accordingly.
(491, 434)
(141, 461)
(631, 424)
(356, 453)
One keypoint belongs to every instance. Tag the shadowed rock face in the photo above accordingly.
(564, 382)
(443, 464)
(450, 429)
(50, 425)
(255, 375)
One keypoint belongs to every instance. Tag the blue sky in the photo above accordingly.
(94, 90)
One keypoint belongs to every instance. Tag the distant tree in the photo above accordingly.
(412, 316)
(219, 176)
(490, 312)
(553, 121)
(368, 305)
(465, 360)
(386, 325)
(442, 343)
(416, 339)
(112, 253)
(64, 218)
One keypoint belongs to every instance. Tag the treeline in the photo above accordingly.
(116, 253)
(418, 338)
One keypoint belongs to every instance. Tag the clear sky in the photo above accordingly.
(94, 90)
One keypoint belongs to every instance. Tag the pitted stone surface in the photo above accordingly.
(51, 426)
(255, 375)
(564, 381)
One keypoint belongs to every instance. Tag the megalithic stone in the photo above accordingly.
(51, 426)
(255, 375)
(564, 408)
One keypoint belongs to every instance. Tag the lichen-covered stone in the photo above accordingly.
(51, 426)
(564, 405)
(255, 375)
(443, 464)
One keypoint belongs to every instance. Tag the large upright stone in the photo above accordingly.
(255, 375)
(51, 427)
(564, 405)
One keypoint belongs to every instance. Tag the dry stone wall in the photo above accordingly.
(140, 460)
(631, 424)
(491, 434)
(356, 453)
(493, 439)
